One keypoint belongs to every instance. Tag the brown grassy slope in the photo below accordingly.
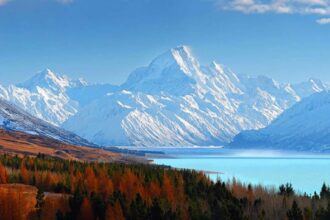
(17, 201)
(26, 144)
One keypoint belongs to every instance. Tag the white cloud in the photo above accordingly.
(323, 21)
(318, 7)
(65, 1)
(3, 2)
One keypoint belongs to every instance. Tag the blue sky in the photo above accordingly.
(104, 40)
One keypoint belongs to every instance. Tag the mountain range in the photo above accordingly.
(174, 101)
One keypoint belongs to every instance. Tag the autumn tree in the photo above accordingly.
(119, 211)
(86, 211)
(24, 173)
(90, 180)
(109, 214)
(168, 190)
(105, 185)
(114, 212)
(3, 174)
(129, 185)
(181, 197)
(154, 191)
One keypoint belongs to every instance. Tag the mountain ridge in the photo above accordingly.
(174, 101)
(13, 118)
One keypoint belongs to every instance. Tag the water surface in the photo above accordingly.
(270, 168)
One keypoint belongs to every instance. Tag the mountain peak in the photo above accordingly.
(47, 72)
(182, 49)
(317, 83)
(47, 79)
(218, 67)
(180, 55)
(176, 66)
(184, 57)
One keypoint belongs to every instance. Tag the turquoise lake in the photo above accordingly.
(306, 172)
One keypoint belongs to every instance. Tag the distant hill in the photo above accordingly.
(304, 127)
(12, 118)
(18, 143)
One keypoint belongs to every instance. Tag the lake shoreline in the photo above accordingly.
(305, 172)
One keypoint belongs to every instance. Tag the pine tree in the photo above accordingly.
(40, 202)
(325, 192)
(295, 212)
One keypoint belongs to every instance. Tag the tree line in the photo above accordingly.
(107, 191)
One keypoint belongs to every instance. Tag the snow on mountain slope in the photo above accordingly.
(52, 97)
(306, 89)
(305, 126)
(13, 118)
(176, 72)
(174, 101)
(84, 95)
(177, 102)
(43, 96)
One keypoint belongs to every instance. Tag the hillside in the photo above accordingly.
(27, 144)
(13, 118)
(22, 199)
(304, 127)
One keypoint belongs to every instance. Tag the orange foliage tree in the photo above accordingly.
(3, 174)
(24, 173)
(90, 180)
(105, 185)
(130, 185)
(86, 210)
(168, 191)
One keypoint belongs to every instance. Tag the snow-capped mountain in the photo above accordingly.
(13, 118)
(174, 101)
(43, 96)
(51, 97)
(305, 126)
(305, 89)
(177, 102)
